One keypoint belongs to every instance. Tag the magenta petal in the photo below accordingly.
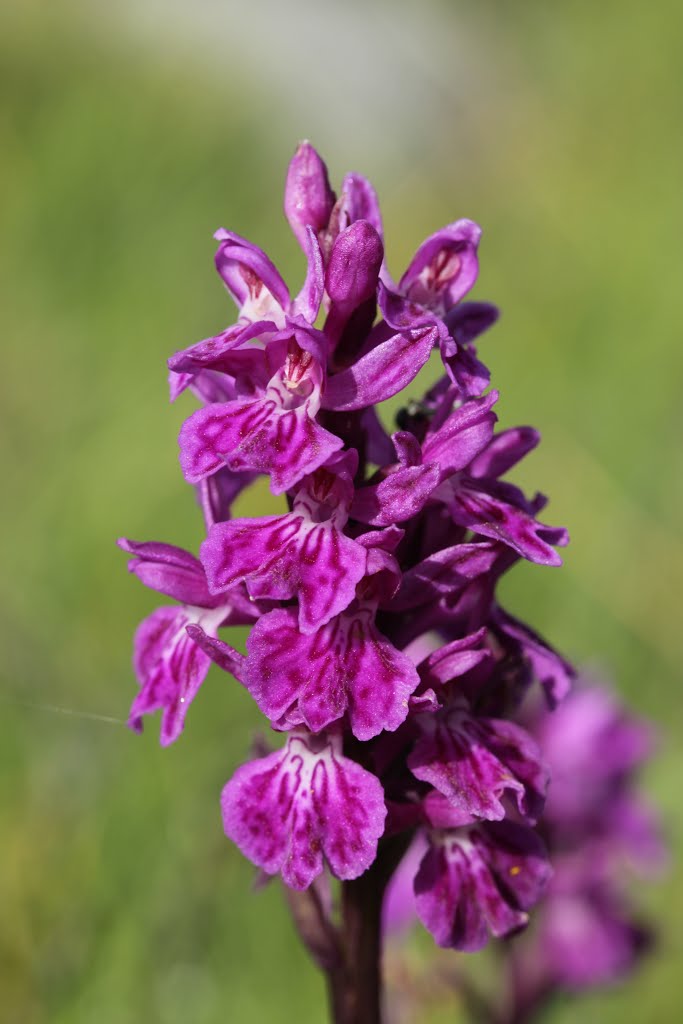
(469, 376)
(468, 320)
(447, 897)
(476, 881)
(463, 435)
(444, 573)
(307, 302)
(216, 493)
(226, 352)
(517, 859)
(492, 517)
(465, 322)
(290, 809)
(475, 761)
(439, 812)
(400, 496)
(505, 450)
(165, 554)
(444, 268)
(382, 372)
(553, 672)
(285, 556)
(454, 659)
(308, 197)
(408, 450)
(386, 540)
(347, 666)
(222, 654)
(250, 277)
(169, 570)
(170, 668)
(359, 202)
(254, 435)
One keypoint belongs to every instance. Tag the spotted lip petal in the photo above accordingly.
(255, 437)
(302, 554)
(475, 761)
(295, 808)
(472, 882)
(345, 667)
(170, 667)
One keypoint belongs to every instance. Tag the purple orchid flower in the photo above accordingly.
(347, 667)
(263, 301)
(474, 761)
(303, 554)
(378, 645)
(271, 426)
(168, 663)
(479, 880)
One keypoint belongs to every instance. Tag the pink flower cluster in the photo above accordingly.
(378, 648)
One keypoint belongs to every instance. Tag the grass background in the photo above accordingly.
(128, 136)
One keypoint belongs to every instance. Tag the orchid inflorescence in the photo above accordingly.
(378, 647)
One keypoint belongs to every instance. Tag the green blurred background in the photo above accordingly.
(129, 133)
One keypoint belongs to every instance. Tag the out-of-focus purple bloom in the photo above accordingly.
(587, 934)
(593, 747)
(595, 825)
